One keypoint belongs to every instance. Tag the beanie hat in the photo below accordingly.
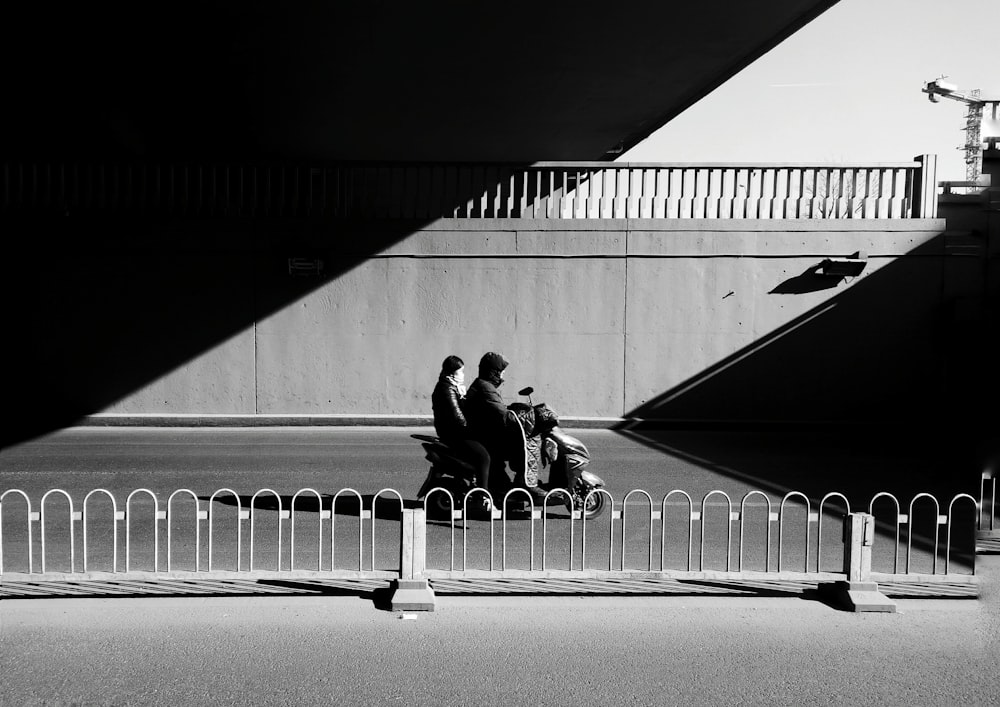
(490, 366)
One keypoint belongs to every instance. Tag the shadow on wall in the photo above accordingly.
(879, 388)
(99, 306)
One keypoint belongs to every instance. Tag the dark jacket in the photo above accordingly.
(486, 413)
(449, 418)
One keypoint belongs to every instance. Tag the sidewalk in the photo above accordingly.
(500, 651)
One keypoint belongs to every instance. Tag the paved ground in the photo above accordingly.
(499, 651)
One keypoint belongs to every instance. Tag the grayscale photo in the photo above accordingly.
(537, 353)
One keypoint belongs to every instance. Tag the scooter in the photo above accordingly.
(543, 443)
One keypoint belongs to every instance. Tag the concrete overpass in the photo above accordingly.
(380, 80)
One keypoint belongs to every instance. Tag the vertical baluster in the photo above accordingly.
(715, 199)
(562, 178)
(864, 210)
(647, 188)
(503, 192)
(623, 191)
(828, 193)
(544, 194)
(709, 200)
(536, 188)
(837, 175)
(742, 192)
(800, 192)
(665, 187)
(683, 206)
(656, 175)
(786, 207)
(512, 193)
(612, 191)
(898, 175)
(596, 192)
(772, 210)
(621, 183)
(722, 184)
(588, 200)
(693, 193)
(522, 192)
(636, 192)
(497, 192)
(883, 192)
(814, 174)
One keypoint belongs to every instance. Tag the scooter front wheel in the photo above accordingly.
(595, 505)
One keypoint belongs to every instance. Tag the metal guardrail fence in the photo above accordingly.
(677, 505)
(699, 516)
(543, 190)
(986, 522)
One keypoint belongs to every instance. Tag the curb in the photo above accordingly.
(194, 420)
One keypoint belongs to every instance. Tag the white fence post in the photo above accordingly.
(411, 592)
(858, 592)
(859, 533)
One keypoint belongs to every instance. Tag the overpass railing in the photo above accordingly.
(672, 537)
(543, 190)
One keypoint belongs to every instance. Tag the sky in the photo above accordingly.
(847, 88)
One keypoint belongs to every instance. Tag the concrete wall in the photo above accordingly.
(665, 319)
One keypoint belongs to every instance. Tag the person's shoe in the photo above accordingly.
(537, 494)
(480, 504)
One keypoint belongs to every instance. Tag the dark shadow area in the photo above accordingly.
(102, 306)
(811, 280)
(106, 298)
(218, 79)
(386, 508)
(881, 387)
(135, 589)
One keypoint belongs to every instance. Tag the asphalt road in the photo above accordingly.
(286, 460)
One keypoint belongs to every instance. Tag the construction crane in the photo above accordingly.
(939, 88)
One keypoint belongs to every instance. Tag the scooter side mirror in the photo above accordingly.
(526, 391)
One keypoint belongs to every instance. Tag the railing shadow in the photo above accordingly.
(387, 507)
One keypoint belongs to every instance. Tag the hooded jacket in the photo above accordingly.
(484, 407)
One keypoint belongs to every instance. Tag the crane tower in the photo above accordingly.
(973, 146)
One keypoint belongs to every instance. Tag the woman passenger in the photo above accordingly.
(448, 401)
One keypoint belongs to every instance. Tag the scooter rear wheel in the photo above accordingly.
(439, 506)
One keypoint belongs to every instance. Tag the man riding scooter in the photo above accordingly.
(490, 422)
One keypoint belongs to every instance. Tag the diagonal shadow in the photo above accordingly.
(878, 388)
(104, 302)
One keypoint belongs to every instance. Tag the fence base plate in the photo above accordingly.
(412, 595)
(858, 596)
